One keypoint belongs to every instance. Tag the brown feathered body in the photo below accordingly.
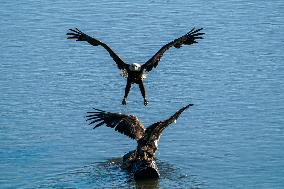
(141, 161)
(135, 73)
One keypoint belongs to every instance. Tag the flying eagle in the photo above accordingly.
(136, 73)
(142, 160)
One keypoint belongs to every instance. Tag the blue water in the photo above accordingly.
(232, 138)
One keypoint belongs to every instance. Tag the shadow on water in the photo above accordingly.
(110, 175)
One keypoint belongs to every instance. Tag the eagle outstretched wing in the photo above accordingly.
(80, 36)
(154, 131)
(187, 39)
(128, 125)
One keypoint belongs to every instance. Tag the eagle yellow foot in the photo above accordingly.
(124, 102)
(145, 102)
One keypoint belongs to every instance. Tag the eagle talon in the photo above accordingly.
(124, 102)
(136, 73)
(145, 102)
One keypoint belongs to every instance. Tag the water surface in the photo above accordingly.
(232, 137)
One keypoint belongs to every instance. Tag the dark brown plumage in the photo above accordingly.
(80, 36)
(147, 139)
(135, 73)
(187, 39)
(128, 125)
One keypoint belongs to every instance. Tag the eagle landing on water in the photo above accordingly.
(141, 162)
(136, 73)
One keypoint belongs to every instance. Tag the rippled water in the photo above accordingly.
(232, 138)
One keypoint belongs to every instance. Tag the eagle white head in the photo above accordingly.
(135, 67)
